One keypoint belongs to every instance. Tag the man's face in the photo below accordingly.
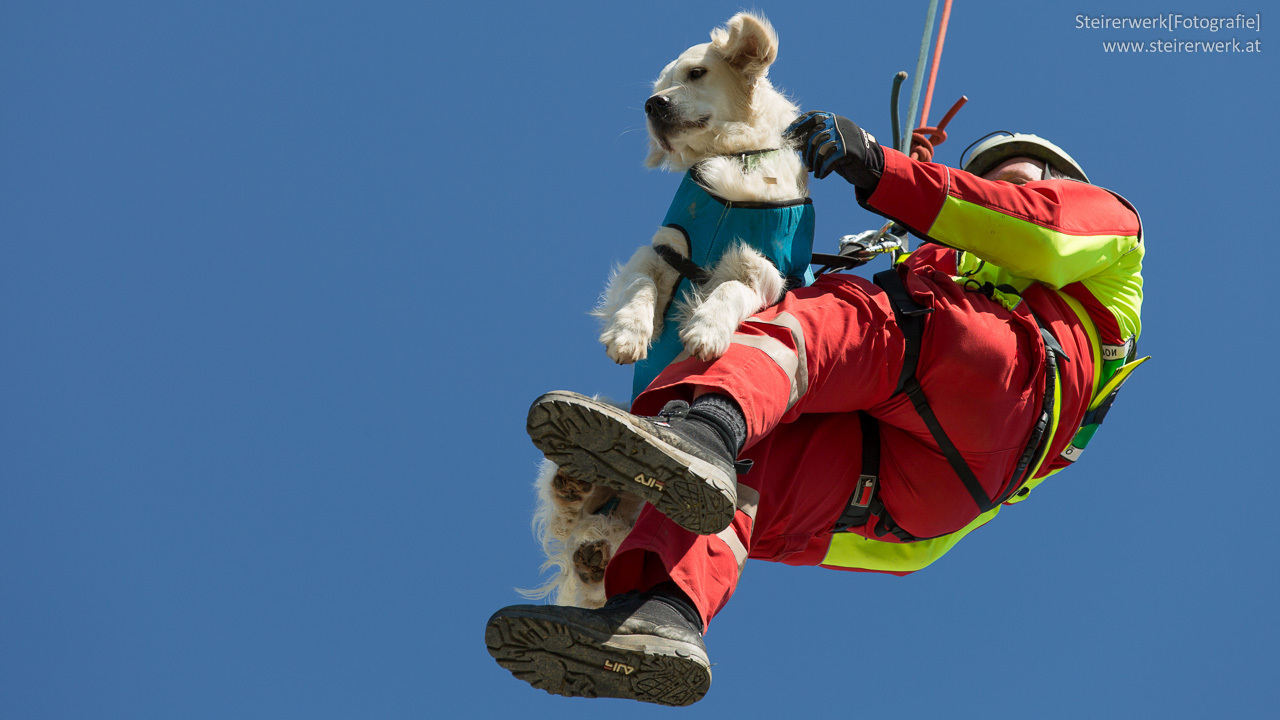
(1017, 170)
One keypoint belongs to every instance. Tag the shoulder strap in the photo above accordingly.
(687, 268)
(910, 317)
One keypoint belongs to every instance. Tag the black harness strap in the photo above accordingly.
(865, 501)
(858, 511)
(687, 268)
(1039, 439)
(697, 274)
(910, 317)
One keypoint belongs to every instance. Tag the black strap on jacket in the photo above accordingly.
(1037, 445)
(699, 275)
(910, 317)
(687, 268)
(865, 502)
(859, 509)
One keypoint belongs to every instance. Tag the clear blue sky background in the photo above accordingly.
(278, 282)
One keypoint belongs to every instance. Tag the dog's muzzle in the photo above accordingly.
(665, 117)
(660, 109)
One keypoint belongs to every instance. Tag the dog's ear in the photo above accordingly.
(748, 43)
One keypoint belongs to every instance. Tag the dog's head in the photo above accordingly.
(716, 99)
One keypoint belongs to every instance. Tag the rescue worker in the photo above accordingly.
(884, 420)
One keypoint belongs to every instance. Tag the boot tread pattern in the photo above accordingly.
(565, 661)
(593, 446)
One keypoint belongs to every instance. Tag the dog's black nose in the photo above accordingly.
(658, 104)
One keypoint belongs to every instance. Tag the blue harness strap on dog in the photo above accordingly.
(781, 231)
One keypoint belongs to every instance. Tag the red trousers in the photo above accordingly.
(801, 369)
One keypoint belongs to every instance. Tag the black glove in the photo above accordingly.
(829, 142)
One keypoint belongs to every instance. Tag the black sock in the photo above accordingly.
(722, 411)
(671, 594)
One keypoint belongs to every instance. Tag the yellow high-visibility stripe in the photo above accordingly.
(1016, 251)
(854, 551)
(1053, 424)
(1030, 485)
(1095, 340)
(1122, 373)
(1024, 248)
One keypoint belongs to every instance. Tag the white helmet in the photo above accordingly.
(993, 149)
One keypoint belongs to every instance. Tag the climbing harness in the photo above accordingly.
(910, 317)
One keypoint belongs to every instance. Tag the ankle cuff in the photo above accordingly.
(670, 594)
(723, 414)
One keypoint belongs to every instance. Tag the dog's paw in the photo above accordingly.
(568, 489)
(590, 560)
(625, 345)
(707, 333)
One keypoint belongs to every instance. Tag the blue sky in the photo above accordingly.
(278, 282)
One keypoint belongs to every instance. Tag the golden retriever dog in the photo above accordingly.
(712, 109)
(708, 107)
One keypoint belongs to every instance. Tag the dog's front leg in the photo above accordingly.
(636, 298)
(742, 283)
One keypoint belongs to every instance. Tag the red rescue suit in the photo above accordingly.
(802, 369)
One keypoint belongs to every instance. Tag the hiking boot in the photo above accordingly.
(672, 460)
(639, 646)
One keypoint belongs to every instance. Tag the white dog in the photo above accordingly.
(712, 111)
(710, 106)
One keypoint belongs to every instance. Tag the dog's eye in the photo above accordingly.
(697, 72)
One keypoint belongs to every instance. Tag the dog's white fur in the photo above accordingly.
(715, 102)
(576, 537)
(719, 103)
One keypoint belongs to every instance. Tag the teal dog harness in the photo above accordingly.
(781, 231)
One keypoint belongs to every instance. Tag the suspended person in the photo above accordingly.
(882, 421)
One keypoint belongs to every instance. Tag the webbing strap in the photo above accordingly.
(687, 268)
(1038, 446)
(910, 317)
(699, 275)
(948, 448)
(858, 509)
(865, 500)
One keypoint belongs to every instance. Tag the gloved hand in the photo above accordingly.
(830, 142)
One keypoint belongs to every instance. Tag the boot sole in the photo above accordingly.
(600, 444)
(558, 656)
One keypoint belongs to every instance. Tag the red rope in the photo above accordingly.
(924, 138)
(937, 59)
